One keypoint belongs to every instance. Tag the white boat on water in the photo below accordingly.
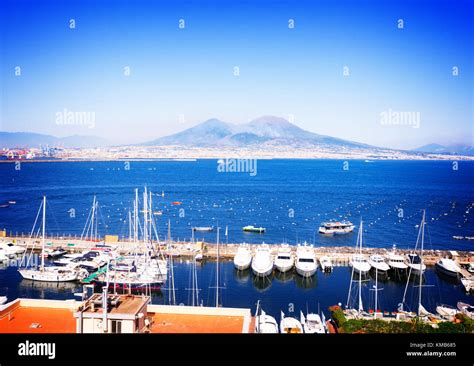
(3, 300)
(306, 264)
(396, 261)
(326, 263)
(415, 263)
(262, 263)
(448, 267)
(265, 323)
(243, 257)
(312, 323)
(51, 273)
(290, 325)
(11, 249)
(358, 261)
(203, 228)
(3, 256)
(447, 312)
(284, 260)
(466, 309)
(378, 262)
(336, 227)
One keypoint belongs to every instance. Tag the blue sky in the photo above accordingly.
(190, 72)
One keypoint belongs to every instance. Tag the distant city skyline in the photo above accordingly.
(394, 74)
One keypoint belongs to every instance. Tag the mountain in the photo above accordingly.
(28, 139)
(267, 130)
(459, 149)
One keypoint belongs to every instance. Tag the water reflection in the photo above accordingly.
(306, 283)
(242, 276)
(262, 283)
(284, 276)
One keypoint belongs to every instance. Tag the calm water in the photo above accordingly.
(279, 292)
(288, 197)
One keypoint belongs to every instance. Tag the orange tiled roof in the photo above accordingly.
(188, 323)
(51, 320)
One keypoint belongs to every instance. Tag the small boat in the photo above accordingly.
(378, 262)
(457, 237)
(3, 300)
(312, 323)
(468, 284)
(360, 264)
(416, 264)
(4, 205)
(11, 249)
(447, 312)
(158, 213)
(466, 309)
(176, 203)
(396, 261)
(11, 202)
(262, 263)
(198, 257)
(336, 227)
(470, 268)
(53, 274)
(284, 260)
(3, 256)
(243, 257)
(265, 324)
(56, 253)
(290, 325)
(203, 228)
(306, 265)
(470, 237)
(326, 263)
(448, 267)
(253, 229)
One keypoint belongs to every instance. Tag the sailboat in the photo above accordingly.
(264, 323)
(312, 323)
(421, 311)
(49, 273)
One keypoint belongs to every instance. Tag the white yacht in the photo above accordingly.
(360, 264)
(448, 267)
(262, 263)
(415, 263)
(3, 256)
(312, 323)
(243, 257)
(447, 312)
(290, 325)
(378, 262)
(284, 260)
(326, 263)
(11, 249)
(466, 309)
(396, 261)
(306, 265)
(336, 227)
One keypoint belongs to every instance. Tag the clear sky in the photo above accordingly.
(189, 72)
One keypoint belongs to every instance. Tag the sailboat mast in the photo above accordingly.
(135, 217)
(145, 214)
(421, 260)
(360, 274)
(171, 294)
(217, 269)
(376, 291)
(43, 236)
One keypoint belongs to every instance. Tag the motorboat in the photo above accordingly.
(290, 325)
(468, 283)
(396, 261)
(56, 253)
(326, 263)
(415, 263)
(312, 323)
(360, 264)
(253, 229)
(378, 262)
(466, 309)
(447, 312)
(198, 257)
(284, 260)
(203, 228)
(470, 268)
(3, 300)
(448, 267)
(262, 263)
(306, 265)
(243, 257)
(3, 256)
(11, 249)
(336, 227)
(265, 323)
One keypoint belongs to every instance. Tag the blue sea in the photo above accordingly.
(288, 197)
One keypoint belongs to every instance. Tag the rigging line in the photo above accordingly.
(31, 237)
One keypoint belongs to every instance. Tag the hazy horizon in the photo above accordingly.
(150, 69)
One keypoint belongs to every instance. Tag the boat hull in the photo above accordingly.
(446, 271)
(306, 272)
(262, 272)
(242, 266)
(48, 277)
(283, 267)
